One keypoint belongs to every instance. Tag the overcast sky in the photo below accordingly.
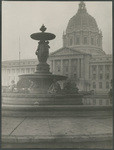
(21, 19)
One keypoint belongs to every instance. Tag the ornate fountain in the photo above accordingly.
(42, 78)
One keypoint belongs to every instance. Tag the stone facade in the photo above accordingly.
(12, 69)
(82, 51)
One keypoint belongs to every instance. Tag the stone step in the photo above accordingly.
(56, 110)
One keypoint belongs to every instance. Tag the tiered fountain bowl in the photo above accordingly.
(42, 78)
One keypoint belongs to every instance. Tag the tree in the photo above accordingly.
(70, 87)
(111, 92)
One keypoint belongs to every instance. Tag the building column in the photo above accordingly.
(81, 38)
(97, 79)
(97, 73)
(89, 38)
(53, 66)
(104, 82)
(61, 67)
(83, 73)
(82, 68)
(69, 70)
(77, 71)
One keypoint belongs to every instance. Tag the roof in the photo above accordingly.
(67, 51)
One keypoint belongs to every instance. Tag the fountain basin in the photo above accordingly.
(42, 81)
(16, 104)
(41, 99)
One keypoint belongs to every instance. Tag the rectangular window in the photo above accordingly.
(93, 68)
(100, 85)
(66, 62)
(8, 70)
(94, 76)
(71, 41)
(107, 76)
(94, 85)
(13, 70)
(22, 70)
(17, 70)
(32, 70)
(28, 70)
(100, 68)
(100, 102)
(75, 76)
(74, 68)
(66, 68)
(77, 40)
(101, 76)
(58, 68)
(94, 101)
(107, 67)
(85, 40)
(107, 102)
(107, 85)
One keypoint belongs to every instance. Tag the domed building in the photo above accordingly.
(82, 58)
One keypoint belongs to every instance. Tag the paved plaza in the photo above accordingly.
(59, 129)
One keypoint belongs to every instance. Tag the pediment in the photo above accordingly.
(65, 51)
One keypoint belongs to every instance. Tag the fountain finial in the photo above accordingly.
(43, 28)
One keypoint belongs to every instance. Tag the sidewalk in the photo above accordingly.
(56, 132)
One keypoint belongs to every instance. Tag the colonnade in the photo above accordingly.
(79, 64)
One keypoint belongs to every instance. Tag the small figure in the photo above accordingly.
(54, 88)
(42, 51)
(110, 95)
(12, 86)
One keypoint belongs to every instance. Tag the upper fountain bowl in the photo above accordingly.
(42, 35)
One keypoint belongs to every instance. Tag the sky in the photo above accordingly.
(21, 18)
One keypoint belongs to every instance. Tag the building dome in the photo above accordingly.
(82, 33)
(82, 21)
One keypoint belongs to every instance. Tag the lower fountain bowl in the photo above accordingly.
(42, 81)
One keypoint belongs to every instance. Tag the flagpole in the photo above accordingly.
(19, 53)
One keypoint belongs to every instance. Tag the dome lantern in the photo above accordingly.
(82, 7)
